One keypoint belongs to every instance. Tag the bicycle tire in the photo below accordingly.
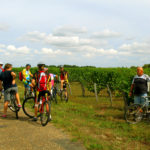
(45, 114)
(17, 117)
(55, 95)
(28, 106)
(132, 114)
(13, 107)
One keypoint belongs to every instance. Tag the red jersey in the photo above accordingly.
(41, 81)
(2, 69)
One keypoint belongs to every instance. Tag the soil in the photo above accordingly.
(24, 134)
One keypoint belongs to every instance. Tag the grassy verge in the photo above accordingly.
(96, 124)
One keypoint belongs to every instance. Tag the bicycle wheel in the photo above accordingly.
(28, 106)
(13, 104)
(55, 95)
(133, 114)
(45, 114)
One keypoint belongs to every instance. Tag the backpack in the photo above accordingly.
(20, 76)
(42, 81)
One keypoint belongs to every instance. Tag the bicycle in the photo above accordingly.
(28, 92)
(63, 93)
(54, 94)
(136, 112)
(44, 108)
(13, 104)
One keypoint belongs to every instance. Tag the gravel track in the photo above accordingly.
(24, 134)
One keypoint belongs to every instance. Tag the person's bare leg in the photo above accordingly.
(18, 98)
(61, 84)
(5, 107)
(36, 109)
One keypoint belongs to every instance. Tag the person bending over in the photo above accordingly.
(9, 83)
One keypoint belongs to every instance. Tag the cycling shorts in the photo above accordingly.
(42, 93)
(26, 84)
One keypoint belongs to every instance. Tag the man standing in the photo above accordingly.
(139, 86)
(8, 78)
(27, 78)
(40, 80)
(64, 81)
(1, 67)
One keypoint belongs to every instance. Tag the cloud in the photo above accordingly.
(52, 53)
(90, 51)
(3, 27)
(106, 34)
(63, 41)
(19, 50)
(34, 36)
(69, 31)
(2, 46)
(136, 48)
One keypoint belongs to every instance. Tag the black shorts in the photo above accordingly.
(42, 93)
(64, 85)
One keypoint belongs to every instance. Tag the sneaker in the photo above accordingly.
(34, 119)
(4, 116)
(19, 105)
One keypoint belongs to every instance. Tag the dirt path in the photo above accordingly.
(24, 134)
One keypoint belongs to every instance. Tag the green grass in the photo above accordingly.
(97, 125)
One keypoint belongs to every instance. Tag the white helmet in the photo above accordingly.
(1, 63)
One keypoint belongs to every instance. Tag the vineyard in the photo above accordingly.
(118, 79)
(97, 125)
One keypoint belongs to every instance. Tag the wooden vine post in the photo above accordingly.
(110, 94)
(83, 89)
(95, 89)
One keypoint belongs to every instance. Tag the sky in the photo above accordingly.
(101, 33)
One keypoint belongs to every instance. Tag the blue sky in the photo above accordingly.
(102, 33)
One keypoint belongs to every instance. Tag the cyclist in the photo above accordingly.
(8, 78)
(27, 78)
(139, 86)
(1, 70)
(64, 80)
(1, 67)
(40, 80)
(52, 78)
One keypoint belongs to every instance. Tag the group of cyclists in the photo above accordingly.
(41, 81)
